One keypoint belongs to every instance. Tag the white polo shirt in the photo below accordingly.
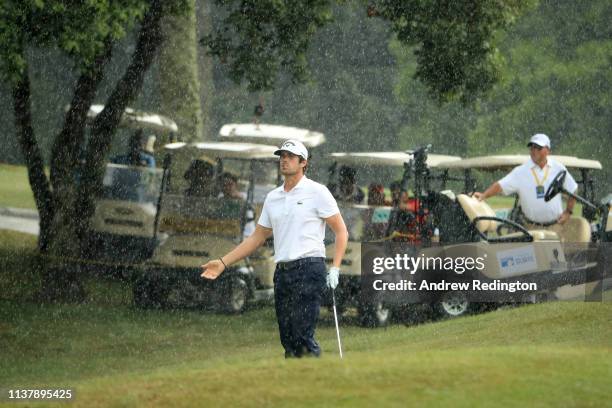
(297, 219)
(522, 181)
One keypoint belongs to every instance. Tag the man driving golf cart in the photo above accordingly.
(530, 181)
(575, 229)
(140, 151)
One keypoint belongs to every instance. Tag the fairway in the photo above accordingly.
(555, 354)
(15, 190)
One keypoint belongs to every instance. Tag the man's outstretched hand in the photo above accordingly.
(212, 269)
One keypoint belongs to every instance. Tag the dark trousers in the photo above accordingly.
(298, 289)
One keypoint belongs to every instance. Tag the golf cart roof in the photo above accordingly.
(139, 119)
(396, 159)
(225, 150)
(505, 162)
(270, 134)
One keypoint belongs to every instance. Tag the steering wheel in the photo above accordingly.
(555, 187)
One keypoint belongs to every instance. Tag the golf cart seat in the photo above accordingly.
(575, 230)
(475, 209)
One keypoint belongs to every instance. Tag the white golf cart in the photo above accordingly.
(370, 219)
(200, 222)
(579, 231)
(468, 226)
(124, 223)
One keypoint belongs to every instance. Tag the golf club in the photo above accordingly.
(336, 320)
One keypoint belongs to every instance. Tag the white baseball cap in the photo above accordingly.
(539, 139)
(293, 146)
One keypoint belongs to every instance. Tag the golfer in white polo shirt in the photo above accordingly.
(531, 180)
(296, 214)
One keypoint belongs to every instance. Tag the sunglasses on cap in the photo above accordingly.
(535, 146)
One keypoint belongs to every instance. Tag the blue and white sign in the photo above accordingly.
(517, 261)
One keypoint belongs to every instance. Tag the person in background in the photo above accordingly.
(347, 189)
(229, 187)
(140, 151)
(201, 178)
(376, 194)
(530, 181)
(229, 190)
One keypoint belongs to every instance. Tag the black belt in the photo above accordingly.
(299, 262)
(539, 224)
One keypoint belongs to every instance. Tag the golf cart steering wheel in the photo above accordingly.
(556, 186)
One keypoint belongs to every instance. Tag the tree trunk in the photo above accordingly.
(179, 83)
(65, 156)
(106, 123)
(33, 159)
(205, 68)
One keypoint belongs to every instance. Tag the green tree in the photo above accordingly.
(453, 40)
(85, 32)
(557, 80)
(444, 126)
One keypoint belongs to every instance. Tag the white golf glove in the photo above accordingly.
(332, 277)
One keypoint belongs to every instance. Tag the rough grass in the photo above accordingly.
(555, 354)
(15, 189)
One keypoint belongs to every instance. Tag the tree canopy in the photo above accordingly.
(454, 43)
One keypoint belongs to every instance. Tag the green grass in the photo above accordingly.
(15, 189)
(555, 354)
(550, 355)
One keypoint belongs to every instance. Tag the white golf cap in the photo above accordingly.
(293, 146)
(539, 139)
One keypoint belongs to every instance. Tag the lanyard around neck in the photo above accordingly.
(535, 176)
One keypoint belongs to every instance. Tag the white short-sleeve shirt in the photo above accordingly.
(297, 218)
(521, 181)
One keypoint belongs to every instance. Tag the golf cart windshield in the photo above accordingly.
(206, 163)
(264, 174)
(129, 183)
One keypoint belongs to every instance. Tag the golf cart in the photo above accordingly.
(368, 218)
(468, 227)
(123, 229)
(579, 231)
(203, 221)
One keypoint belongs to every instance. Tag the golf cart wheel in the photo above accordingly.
(236, 297)
(375, 314)
(149, 293)
(453, 304)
